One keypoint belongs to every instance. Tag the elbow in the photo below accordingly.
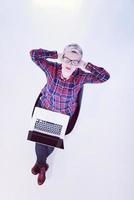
(107, 76)
(104, 78)
(32, 55)
(31, 52)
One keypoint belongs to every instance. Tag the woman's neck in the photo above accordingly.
(65, 75)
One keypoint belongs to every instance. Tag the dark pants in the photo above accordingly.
(42, 152)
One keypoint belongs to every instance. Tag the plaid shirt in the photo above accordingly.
(58, 94)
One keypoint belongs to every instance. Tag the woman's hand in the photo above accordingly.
(60, 56)
(82, 64)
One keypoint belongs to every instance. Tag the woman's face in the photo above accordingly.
(70, 62)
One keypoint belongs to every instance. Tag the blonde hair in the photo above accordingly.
(74, 48)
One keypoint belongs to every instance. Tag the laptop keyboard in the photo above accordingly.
(48, 127)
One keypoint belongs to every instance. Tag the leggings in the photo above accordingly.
(42, 152)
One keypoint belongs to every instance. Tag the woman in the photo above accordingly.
(64, 81)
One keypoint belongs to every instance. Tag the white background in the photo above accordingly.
(98, 160)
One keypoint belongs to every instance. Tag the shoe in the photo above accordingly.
(36, 169)
(42, 174)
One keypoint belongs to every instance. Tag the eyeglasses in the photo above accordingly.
(72, 62)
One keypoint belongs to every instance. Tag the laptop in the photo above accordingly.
(48, 127)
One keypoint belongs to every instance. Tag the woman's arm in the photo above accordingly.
(39, 56)
(95, 75)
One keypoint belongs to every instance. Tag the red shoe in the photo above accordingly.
(42, 175)
(36, 169)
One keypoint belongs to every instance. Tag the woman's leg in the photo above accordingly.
(42, 152)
